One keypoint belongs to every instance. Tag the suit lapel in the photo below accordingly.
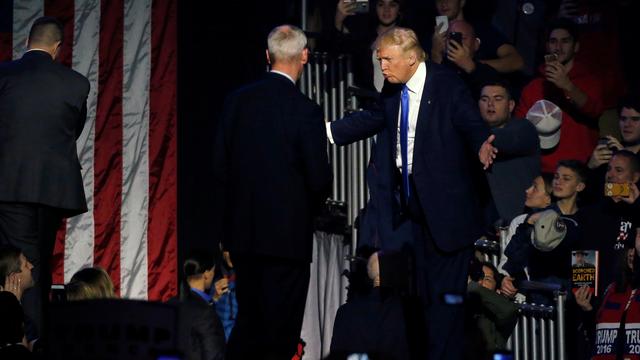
(424, 114)
(393, 107)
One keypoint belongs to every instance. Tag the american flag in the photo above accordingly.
(128, 149)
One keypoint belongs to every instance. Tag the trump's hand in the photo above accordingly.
(487, 152)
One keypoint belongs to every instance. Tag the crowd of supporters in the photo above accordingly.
(556, 83)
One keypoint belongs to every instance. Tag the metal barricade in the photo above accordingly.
(540, 331)
(326, 80)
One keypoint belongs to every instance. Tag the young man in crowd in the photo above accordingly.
(574, 89)
(518, 162)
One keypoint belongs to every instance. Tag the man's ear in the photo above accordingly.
(580, 187)
(57, 47)
(636, 177)
(412, 58)
(305, 56)
(268, 58)
(512, 105)
(477, 44)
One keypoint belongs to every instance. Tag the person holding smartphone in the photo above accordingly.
(610, 222)
(571, 86)
(629, 124)
(496, 51)
(355, 32)
(460, 53)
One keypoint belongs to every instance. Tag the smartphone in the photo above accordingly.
(603, 141)
(456, 36)
(362, 6)
(549, 58)
(444, 21)
(613, 189)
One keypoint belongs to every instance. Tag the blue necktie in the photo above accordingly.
(404, 135)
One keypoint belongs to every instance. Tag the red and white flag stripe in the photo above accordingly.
(128, 149)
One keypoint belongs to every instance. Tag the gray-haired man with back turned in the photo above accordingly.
(271, 176)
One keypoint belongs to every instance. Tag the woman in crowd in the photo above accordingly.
(619, 312)
(90, 283)
(548, 263)
(538, 196)
(355, 34)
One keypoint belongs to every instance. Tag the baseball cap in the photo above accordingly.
(547, 118)
(548, 231)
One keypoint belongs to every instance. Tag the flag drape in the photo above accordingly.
(128, 149)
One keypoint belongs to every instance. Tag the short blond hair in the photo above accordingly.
(405, 38)
(286, 43)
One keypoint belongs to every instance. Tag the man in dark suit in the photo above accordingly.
(426, 124)
(272, 175)
(42, 113)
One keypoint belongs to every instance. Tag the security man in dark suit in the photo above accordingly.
(42, 113)
(426, 126)
(272, 175)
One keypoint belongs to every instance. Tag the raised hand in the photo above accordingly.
(487, 152)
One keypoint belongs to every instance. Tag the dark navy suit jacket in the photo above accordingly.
(42, 112)
(271, 172)
(449, 133)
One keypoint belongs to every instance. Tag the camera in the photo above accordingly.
(614, 189)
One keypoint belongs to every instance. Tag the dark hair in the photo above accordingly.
(578, 167)
(12, 330)
(548, 183)
(565, 24)
(634, 161)
(498, 81)
(198, 261)
(9, 261)
(629, 101)
(476, 273)
(46, 30)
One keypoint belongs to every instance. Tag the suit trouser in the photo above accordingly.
(32, 228)
(271, 296)
(438, 275)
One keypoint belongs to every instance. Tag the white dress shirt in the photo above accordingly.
(415, 85)
(285, 75)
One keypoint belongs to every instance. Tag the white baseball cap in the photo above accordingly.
(548, 231)
(547, 118)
